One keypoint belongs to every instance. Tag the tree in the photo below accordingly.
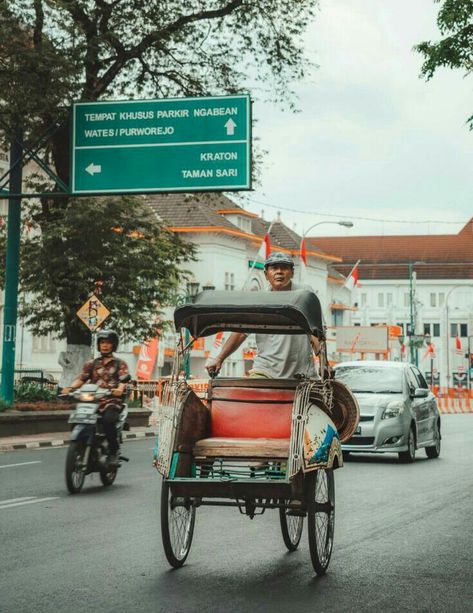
(455, 50)
(54, 53)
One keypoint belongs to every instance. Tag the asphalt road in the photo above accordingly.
(403, 541)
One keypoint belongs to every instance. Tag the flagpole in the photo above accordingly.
(351, 271)
(254, 261)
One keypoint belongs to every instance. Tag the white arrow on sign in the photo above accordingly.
(92, 168)
(230, 125)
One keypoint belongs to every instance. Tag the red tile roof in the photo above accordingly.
(445, 256)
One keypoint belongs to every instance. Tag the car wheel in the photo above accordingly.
(409, 456)
(434, 451)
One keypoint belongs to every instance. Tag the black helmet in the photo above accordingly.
(277, 257)
(108, 335)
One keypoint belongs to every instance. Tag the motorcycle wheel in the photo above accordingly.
(75, 475)
(108, 475)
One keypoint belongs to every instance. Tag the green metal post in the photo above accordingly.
(12, 271)
(187, 361)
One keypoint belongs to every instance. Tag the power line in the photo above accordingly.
(376, 219)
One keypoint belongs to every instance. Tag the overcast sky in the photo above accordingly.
(372, 140)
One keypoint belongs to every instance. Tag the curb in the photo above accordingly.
(53, 442)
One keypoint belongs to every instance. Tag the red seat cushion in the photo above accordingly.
(260, 413)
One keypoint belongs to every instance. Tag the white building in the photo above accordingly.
(228, 239)
(426, 281)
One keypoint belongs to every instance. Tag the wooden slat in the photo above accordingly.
(241, 448)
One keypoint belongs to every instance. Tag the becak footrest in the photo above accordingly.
(251, 448)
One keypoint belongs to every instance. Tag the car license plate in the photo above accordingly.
(358, 430)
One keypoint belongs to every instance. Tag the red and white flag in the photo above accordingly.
(265, 248)
(458, 344)
(352, 279)
(303, 253)
(430, 353)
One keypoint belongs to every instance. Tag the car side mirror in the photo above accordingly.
(420, 392)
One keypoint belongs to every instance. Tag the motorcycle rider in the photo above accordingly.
(106, 371)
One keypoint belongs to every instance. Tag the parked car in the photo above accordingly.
(398, 412)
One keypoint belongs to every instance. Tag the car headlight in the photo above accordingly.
(393, 409)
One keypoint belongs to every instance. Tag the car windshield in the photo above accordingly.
(371, 379)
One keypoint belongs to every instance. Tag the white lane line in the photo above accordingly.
(2, 502)
(19, 464)
(33, 501)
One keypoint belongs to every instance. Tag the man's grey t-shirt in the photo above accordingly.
(284, 355)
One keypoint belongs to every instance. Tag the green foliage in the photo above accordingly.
(32, 392)
(55, 53)
(117, 241)
(455, 50)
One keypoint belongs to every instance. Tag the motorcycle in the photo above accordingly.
(88, 446)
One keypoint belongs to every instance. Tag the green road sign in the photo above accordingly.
(174, 144)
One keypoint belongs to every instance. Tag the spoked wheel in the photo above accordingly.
(291, 528)
(320, 497)
(75, 475)
(177, 527)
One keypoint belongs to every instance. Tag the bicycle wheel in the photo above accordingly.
(177, 527)
(320, 498)
(291, 528)
(75, 474)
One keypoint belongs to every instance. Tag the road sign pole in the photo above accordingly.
(12, 270)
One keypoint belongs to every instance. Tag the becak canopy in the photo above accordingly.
(291, 312)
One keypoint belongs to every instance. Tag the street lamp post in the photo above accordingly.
(413, 340)
(345, 224)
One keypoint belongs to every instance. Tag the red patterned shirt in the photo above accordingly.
(104, 372)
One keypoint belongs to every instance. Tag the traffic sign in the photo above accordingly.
(173, 144)
(93, 313)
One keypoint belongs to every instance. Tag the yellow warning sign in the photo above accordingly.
(93, 313)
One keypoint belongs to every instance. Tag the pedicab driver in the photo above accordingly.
(278, 355)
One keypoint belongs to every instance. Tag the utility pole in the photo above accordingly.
(412, 349)
(12, 267)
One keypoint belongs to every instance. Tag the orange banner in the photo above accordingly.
(147, 359)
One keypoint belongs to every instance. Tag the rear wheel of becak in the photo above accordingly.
(320, 500)
(75, 473)
(291, 528)
(177, 526)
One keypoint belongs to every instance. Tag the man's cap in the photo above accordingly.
(277, 257)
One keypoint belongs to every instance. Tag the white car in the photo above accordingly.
(398, 412)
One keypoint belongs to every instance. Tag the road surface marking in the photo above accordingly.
(8, 504)
(19, 464)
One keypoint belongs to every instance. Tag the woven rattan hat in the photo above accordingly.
(345, 410)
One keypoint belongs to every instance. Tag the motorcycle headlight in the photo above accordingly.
(393, 409)
(86, 397)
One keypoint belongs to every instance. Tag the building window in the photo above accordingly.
(441, 299)
(463, 330)
(436, 330)
(433, 300)
(380, 300)
(364, 299)
(389, 299)
(229, 368)
(453, 330)
(44, 344)
(459, 330)
(229, 281)
(426, 328)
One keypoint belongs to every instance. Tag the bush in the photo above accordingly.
(31, 392)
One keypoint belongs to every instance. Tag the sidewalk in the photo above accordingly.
(57, 439)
